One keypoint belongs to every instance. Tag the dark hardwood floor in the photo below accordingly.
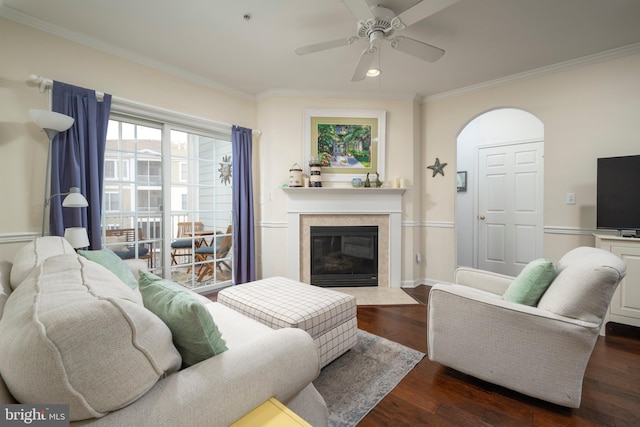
(433, 395)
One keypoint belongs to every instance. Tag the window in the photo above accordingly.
(111, 200)
(162, 164)
(150, 200)
(133, 202)
(203, 203)
(184, 172)
(149, 172)
(110, 169)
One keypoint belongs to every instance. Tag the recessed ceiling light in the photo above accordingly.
(374, 72)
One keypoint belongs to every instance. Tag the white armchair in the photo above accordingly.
(538, 351)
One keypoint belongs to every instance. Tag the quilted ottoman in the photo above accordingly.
(328, 316)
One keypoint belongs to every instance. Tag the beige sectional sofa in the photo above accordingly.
(72, 332)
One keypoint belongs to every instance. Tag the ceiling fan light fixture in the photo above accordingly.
(373, 72)
(377, 24)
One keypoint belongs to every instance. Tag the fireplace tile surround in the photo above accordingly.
(346, 206)
(313, 220)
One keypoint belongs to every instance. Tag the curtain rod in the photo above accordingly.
(45, 84)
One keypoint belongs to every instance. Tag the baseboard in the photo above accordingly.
(431, 282)
(410, 283)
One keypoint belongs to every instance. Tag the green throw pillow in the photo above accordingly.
(531, 283)
(107, 258)
(195, 334)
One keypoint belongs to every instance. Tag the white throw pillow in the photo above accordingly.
(73, 333)
(35, 253)
(584, 285)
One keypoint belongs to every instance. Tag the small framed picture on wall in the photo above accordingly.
(461, 181)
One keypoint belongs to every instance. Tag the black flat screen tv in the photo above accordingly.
(618, 195)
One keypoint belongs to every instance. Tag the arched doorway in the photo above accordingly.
(499, 217)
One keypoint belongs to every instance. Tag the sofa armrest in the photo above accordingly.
(222, 389)
(523, 348)
(481, 279)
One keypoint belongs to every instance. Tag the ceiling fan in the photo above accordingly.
(379, 23)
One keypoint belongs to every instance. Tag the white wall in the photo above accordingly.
(281, 145)
(504, 125)
(23, 146)
(587, 113)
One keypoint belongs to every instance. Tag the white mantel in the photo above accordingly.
(346, 201)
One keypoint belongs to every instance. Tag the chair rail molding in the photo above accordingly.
(553, 229)
(23, 236)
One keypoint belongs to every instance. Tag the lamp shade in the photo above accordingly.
(75, 199)
(51, 120)
(77, 237)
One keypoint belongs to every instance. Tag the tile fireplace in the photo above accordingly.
(344, 255)
(358, 207)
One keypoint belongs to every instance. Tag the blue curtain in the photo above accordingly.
(77, 159)
(243, 230)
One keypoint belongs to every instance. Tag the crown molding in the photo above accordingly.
(25, 19)
(291, 93)
(539, 72)
(28, 20)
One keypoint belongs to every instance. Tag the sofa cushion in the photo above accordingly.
(195, 334)
(34, 253)
(585, 281)
(113, 263)
(73, 333)
(531, 283)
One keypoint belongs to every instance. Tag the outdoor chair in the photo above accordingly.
(218, 250)
(184, 247)
(122, 242)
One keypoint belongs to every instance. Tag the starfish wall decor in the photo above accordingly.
(437, 168)
(225, 170)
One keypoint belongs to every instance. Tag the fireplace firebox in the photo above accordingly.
(344, 256)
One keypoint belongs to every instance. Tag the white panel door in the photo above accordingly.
(510, 206)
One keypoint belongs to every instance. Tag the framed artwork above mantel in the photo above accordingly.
(348, 143)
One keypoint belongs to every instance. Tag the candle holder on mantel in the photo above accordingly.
(315, 172)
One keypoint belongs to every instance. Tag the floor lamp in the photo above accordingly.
(53, 123)
(77, 237)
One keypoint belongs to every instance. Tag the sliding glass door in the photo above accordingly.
(201, 203)
(150, 166)
(132, 204)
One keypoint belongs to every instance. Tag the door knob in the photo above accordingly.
(482, 217)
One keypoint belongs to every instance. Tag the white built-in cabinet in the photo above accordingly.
(625, 305)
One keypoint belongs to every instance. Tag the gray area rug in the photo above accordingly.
(355, 382)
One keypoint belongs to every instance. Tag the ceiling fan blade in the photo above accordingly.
(416, 48)
(422, 10)
(364, 63)
(359, 9)
(326, 45)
